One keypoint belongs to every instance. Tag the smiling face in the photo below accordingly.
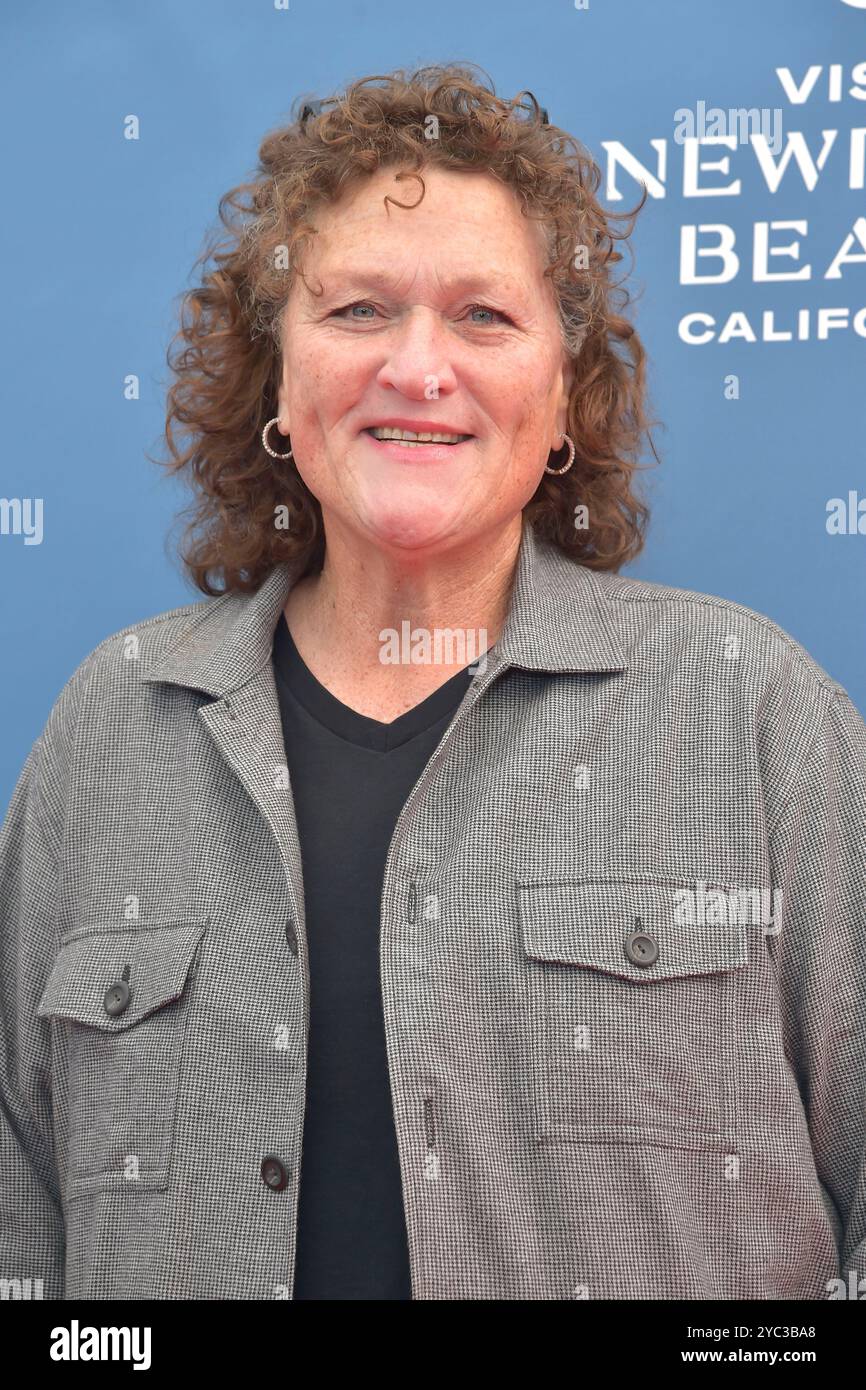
(437, 318)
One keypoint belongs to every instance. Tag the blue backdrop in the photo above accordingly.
(99, 233)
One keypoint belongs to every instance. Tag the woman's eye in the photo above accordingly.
(361, 304)
(483, 309)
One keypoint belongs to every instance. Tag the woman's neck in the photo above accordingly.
(382, 630)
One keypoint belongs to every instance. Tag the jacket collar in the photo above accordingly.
(559, 619)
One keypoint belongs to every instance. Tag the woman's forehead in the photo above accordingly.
(480, 239)
(394, 201)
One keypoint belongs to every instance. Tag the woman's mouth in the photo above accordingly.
(421, 444)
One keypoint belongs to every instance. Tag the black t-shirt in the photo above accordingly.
(350, 778)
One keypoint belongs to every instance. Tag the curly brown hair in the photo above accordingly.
(226, 354)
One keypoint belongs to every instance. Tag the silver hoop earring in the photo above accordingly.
(273, 453)
(565, 467)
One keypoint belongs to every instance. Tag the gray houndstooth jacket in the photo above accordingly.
(623, 964)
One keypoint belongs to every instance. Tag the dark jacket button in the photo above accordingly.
(292, 936)
(116, 998)
(641, 948)
(275, 1174)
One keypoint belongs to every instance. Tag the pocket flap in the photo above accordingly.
(153, 961)
(699, 928)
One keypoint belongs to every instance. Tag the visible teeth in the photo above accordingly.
(410, 436)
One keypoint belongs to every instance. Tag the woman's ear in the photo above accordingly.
(568, 377)
(282, 409)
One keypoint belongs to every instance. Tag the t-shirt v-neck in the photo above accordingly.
(346, 722)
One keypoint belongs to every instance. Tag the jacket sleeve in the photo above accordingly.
(818, 852)
(31, 1218)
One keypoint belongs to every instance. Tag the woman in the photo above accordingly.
(522, 901)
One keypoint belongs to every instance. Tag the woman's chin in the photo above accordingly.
(410, 528)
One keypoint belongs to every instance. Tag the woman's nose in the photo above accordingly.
(419, 355)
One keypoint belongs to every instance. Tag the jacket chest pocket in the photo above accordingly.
(631, 1013)
(121, 999)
